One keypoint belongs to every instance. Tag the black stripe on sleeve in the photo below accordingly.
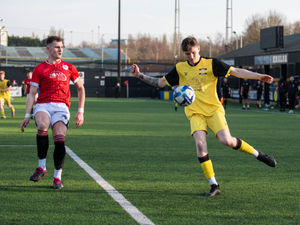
(172, 77)
(220, 68)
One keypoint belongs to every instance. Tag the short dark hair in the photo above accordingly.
(51, 39)
(188, 42)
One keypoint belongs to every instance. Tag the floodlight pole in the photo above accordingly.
(119, 43)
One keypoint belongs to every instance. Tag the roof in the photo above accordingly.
(291, 44)
(70, 53)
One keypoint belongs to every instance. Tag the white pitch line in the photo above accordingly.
(137, 215)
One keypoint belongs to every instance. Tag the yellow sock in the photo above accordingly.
(12, 109)
(208, 169)
(243, 146)
(2, 112)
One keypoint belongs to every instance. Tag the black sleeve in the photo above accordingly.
(8, 84)
(220, 69)
(172, 77)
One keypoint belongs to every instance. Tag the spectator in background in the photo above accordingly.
(292, 93)
(27, 83)
(225, 91)
(282, 91)
(14, 83)
(267, 96)
(298, 101)
(245, 91)
(259, 88)
(5, 87)
(117, 90)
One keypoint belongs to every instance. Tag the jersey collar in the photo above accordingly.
(195, 63)
(58, 62)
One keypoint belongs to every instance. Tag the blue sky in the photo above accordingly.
(91, 19)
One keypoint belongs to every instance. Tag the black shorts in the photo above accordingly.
(245, 95)
(258, 96)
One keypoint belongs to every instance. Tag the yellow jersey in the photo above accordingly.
(203, 78)
(3, 85)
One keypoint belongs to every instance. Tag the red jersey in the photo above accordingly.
(53, 81)
(27, 83)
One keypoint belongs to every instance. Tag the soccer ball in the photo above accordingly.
(184, 95)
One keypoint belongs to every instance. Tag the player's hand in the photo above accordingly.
(135, 70)
(79, 119)
(24, 123)
(266, 78)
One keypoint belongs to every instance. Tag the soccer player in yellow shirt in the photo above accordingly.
(5, 87)
(206, 111)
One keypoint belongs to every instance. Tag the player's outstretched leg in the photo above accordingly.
(269, 160)
(245, 147)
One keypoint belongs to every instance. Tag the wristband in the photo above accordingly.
(27, 115)
(81, 110)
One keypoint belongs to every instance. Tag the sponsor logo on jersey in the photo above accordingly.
(203, 71)
(58, 75)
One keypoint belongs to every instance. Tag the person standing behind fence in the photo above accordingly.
(282, 91)
(225, 91)
(245, 91)
(259, 88)
(292, 94)
(5, 87)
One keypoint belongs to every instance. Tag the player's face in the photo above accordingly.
(29, 75)
(55, 50)
(193, 54)
(2, 76)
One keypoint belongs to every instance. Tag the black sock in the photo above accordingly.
(59, 155)
(42, 146)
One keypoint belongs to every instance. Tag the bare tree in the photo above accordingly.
(146, 48)
(257, 22)
(294, 28)
(54, 32)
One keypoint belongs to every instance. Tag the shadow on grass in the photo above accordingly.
(125, 192)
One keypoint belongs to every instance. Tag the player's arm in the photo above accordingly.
(8, 87)
(29, 105)
(246, 74)
(81, 101)
(153, 81)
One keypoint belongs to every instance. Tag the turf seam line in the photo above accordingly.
(137, 215)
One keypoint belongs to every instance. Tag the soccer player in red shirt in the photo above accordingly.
(52, 78)
(27, 82)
